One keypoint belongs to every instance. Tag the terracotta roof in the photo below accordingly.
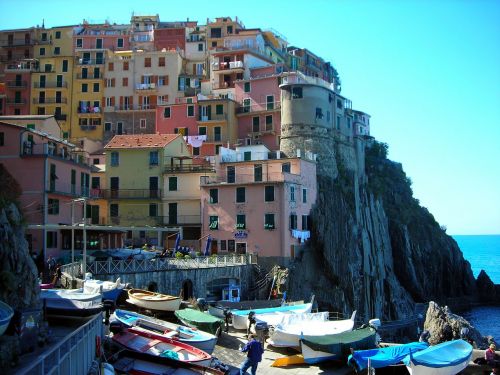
(141, 141)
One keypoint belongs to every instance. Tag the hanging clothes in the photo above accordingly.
(195, 140)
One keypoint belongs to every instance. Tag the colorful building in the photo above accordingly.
(259, 202)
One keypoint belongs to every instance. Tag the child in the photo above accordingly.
(254, 350)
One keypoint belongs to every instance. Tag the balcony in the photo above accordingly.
(16, 101)
(82, 111)
(89, 76)
(146, 87)
(60, 116)
(17, 84)
(245, 178)
(88, 128)
(178, 220)
(50, 100)
(258, 107)
(205, 118)
(189, 169)
(227, 66)
(16, 43)
(83, 61)
(129, 193)
(22, 66)
(62, 153)
(50, 85)
(56, 187)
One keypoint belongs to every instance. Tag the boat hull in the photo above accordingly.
(424, 370)
(269, 315)
(6, 314)
(312, 356)
(71, 303)
(153, 301)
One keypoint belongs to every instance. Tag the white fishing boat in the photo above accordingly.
(288, 332)
(153, 301)
(72, 303)
(447, 358)
(109, 289)
(271, 316)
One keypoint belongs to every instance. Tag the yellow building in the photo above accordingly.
(51, 84)
(134, 168)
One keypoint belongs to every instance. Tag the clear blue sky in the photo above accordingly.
(427, 71)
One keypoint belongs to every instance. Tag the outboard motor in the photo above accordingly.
(202, 304)
(251, 321)
(116, 327)
(227, 317)
(108, 305)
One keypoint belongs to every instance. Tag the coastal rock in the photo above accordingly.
(487, 291)
(443, 325)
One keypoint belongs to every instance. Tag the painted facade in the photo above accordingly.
(257, 204)
(43, 123)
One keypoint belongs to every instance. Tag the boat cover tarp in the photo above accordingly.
(305, 306)
(341, 343)
(449, 353)
(200, 320)
(383, 357)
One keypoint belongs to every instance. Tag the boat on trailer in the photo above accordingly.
(153, 301)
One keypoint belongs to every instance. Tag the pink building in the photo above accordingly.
(101, 37)
(258, 203)
(259, 115)
(52, 173)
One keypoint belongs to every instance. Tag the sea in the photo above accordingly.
(483, 253)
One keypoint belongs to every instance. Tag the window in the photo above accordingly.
(2, 139)
(255, 124)
(292, 193)
(304, 195)
(98, 43)
(296, 92)
(246, 87)
(230, 29)
(219, 109)
(163, 81)
(111, 66)
(172, 183)
(196, 151)
(57, 50)
(285, 167)
(231, 245)
(85, 87)
(240, 195)
(217, 133)
(190, 110)
(247, 155)
(142, 123)
(214, 196)
(269, 221)
(246, 105)
(269, 194)
(217, 149)
(257, 172)
(338, 122)
(65, 65)
(213, 223)
(51, 239)
(305, 222)
(58, 35)
(200, 46)
(119, 42)
(42, 51)
(223, 245)
(96, 87)
(269, 102)
(147, 62)
(293, 221)
(339, 104)
(125, 65)
(240, 221)
(115, 159)
(348, 122)
(166, 112)
(319, 113)
(53, 208)
(202, 130)
(113, 210)
(269, 122)
(79, 43)
(65, 135)
(231, 175)
(161, 61)
(107, 126)
(153, 158)
(153, 209)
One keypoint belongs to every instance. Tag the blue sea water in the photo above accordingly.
(483, 253)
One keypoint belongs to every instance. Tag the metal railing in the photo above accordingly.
(224, 65)
(110, 267)
(50, 100)
(130, 193)
(213, 117)
(83, 61)
(72, 269)
(189, 168)
(89, 76)
(256, 107)
(19, 84)
(16, 101)
(50, 85)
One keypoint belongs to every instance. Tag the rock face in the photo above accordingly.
(18, 274)
(443, 326)
(374, 248)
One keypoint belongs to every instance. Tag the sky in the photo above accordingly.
(427, 71)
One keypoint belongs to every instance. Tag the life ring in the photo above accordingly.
(98, 346)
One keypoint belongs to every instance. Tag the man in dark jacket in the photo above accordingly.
(254, 350)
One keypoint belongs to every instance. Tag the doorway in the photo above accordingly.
(187, 290)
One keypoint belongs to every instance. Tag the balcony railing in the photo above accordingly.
(130, 193)
(88, 128)
(88, 110)
(258, 107)
(89, 76)
(68, 189)
(17, 84)
(220, 117)
(17, 42)
(227, 65)
(146, 87)
(50, 85)
(83, 61)
(189, 169)
(60, 116)
(16, 101)
(19, 66)
(50, 100)
(247, 178)
(223, 85)
(30, 149)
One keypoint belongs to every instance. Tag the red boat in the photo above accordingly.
(161, 346)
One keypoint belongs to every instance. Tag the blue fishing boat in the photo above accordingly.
(240, 317)
(199, 339)
(383, 357)
(447, 358)
(6, 314)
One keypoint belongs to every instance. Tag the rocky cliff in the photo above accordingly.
(373, 247)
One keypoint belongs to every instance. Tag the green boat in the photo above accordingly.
(200, 320)
(338, 346)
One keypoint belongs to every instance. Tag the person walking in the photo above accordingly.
(51, 264)
(254, 350)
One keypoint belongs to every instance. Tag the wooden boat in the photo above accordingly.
(197, 338)
(71, 303)
(157, 345)
(6, 314)
(447, 358)
(109, 289)
(271, 316)
(289, 331)
(153, 301)
(317, 349)
(135, 363)
(200, 320)
(383, 357)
